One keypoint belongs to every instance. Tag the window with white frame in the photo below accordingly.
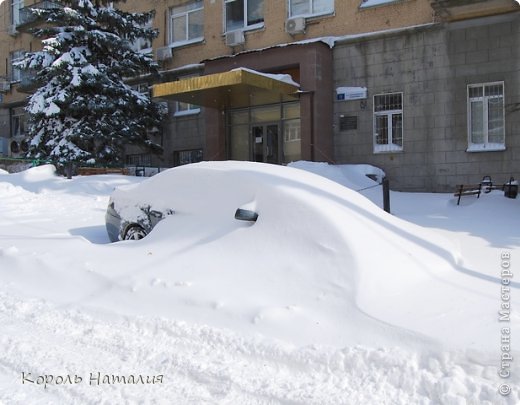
(16, 72)
(243, 14)
(182, 108)
(143, 45)
(486, 123)
(18, 121)
(388, 122)
(187, 23)
(16, 6)
(310, 7)
(142, 88)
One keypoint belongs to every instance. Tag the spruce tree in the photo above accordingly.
(84, 111)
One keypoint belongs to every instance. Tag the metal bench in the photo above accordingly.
(467, 189)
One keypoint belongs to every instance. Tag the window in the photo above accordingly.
(16, 6)
(139, 159)
(142, 44)
(184, 157)
(310, 7)
(277, 126)
(18, 122)
(486, 129)
(388, 122)
(16, 73)
(141, 88)
(187, 23)
(242, 14)
(182, 108)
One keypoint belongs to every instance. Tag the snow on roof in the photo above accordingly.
(331, 41)
(285, 78)
(374, 3)
(369, 35)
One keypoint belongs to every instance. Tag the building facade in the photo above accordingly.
(443, 105)
(428, 90)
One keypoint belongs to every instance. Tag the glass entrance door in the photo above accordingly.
(265, 140)
(265, 133)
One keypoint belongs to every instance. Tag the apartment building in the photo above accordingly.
(425, 89)
(218, 112)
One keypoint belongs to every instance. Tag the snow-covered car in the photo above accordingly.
(132, 227)
(133, 211)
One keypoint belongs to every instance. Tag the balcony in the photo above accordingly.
(28, 82)
(5, 84)
(27, 18)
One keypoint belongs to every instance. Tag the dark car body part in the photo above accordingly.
(120, 229)
(246, 215)
(134, 232)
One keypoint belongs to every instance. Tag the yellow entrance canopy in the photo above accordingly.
(236, 88)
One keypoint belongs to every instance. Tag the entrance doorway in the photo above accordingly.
(265, 143)
(268, 134)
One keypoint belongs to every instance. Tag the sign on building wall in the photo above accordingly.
(351, 93)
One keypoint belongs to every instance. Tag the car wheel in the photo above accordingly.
(135, 232)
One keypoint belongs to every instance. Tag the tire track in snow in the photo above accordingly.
(204, 365)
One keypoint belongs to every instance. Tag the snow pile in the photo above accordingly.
(356, 177)
(310, 231)
(204, 365)
(325, 299)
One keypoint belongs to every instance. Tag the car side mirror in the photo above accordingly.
(246, 215)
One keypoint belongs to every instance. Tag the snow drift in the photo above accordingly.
(325, 299)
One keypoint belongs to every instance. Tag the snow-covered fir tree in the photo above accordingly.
(84, 111)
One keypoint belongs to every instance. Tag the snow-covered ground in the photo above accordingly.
(325, 300)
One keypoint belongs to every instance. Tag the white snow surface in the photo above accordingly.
(326, 299)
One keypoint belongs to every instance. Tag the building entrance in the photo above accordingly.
(265, 143)
(269, 134)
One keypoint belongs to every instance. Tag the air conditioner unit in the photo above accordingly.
(235, 38)
(12, 30)
(5, 86)
(14, 148)
(18, 147)
(164, 53)
(25, 144)
(295, 25)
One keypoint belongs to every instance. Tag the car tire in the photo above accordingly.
(134, 232)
